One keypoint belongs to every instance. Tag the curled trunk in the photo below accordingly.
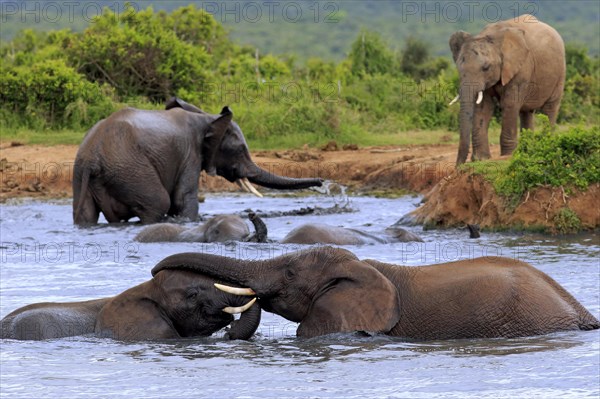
(246, 325)
(260, 228)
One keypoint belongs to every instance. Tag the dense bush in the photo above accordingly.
(62, 79)
(51, 94)
(139, 53)
(546, 157)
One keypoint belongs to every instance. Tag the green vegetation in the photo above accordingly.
(569, 159)
(566, 222)
(55, 85)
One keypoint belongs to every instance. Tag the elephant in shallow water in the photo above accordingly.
(220, 228)
(329, 290)
(147, 163)
(520, 63)
(174, 304)
(318, 233)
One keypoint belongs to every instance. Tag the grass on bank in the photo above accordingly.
(290, 141)
(568, 158)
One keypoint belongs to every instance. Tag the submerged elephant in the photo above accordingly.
(318, 233)
(173, 304)
(329, 290)
(147, 164)
(220, 228)
(521, 63)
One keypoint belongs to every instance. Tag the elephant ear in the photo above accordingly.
(133, 315)
(362, 300)
(175, 102)
(514, 53)
(456, 42)
(213, 138)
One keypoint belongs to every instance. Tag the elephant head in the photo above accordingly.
(489, 59)
(324, 288)
(227, 155)
(176, 303)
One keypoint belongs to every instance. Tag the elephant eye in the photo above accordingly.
(289, 273)
(191, 296)
(485, 67)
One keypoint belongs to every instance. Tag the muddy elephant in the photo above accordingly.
(329, 290)
(318, 233)
(520, 63)
(220, 228)
(147, 164)
(173, 304)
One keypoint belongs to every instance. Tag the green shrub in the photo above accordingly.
(370, 55)
(566, 221)
(50, 94)
(138, 54)
(546, 157)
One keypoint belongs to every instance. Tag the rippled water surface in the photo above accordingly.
(45, 258)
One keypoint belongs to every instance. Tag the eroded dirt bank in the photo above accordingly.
(46, 172)
(452, 199)
(463, 198)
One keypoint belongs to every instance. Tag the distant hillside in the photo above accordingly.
(326, 29)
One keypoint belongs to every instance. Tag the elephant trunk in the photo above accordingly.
(247, 324)
(260, 228)
(468, 101)
(221, 268)
(267, 179)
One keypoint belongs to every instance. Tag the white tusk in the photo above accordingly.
(455, 100)
(240, 309)
(239, 183)
(479, 98)
(250, 187)
(234, 290)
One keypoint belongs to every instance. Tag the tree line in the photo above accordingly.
(69, 80)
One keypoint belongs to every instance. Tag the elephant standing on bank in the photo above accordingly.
(329, 290)
(147, 164)
(519, 62)
(173, 304)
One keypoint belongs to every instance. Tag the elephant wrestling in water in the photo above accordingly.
(147, 164)
(329, 290)
(520, 63)
(220, 228)
(173, 304)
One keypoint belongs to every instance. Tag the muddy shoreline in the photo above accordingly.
(451, 198)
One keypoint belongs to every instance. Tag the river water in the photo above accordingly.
(45, 258)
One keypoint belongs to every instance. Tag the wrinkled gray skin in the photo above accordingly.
(220, 228)
(147, 163)
(173, 304)
(318, 233)
(520, 63)
(329, 290)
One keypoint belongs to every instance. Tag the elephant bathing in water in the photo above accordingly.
(317, 233)
(173, 304)
(147, 164)
(220, 228)
(329, 290)
(520, 63)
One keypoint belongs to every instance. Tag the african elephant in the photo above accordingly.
(220, 228)
(318, 233)
(147, 163)
(174, 304)
(520, 63)
(329, 290)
